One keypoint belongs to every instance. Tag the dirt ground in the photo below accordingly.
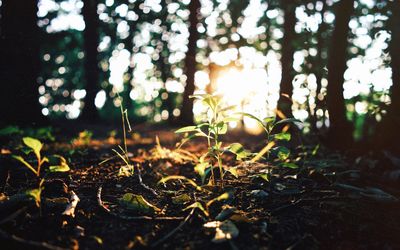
(329, 202)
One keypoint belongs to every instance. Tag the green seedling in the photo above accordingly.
(35, 146)
(270, 124)
(57, 162)
(122, 152)
(212, 129)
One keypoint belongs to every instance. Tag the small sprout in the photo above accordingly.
(215, 126)
(35, 146)
(222, 197)
(199, 206)
(35, 194)
(58, 164)
(178, 177)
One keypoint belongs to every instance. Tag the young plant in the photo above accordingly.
(57, 162)
(213, 128)
(35, 146)
(122, 152)
(270, 124)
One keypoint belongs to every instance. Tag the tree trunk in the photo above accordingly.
(340, 130)
(286, 86)
(186, 116)
(319, 70)
(91, 40)
(19, 63)
(387, 135)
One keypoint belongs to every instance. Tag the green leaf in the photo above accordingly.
(59, 168)
(222, 128)
(35, 194)
(238, 150)
(289, 165)
(283, 153)
(201, 170)
(284, 136)
(198, 206)
(264, 176)
(287, 120)
(34, 144)
(186, 129)
(137, 203)
(269, 120)
(221, 197)
(233, 171)
(22, 160)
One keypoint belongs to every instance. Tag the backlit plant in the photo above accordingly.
(57, 162)
(212, 129)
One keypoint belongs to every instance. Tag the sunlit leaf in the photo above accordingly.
(199, 206)
(201, 170)
(57, 163)
(287, 120)
(22, 160)
(233, 171)
(34, 144)
(221, 197)
(138, 203)
(35, 194)
(186, 129)
(238, 150)
(284, 136)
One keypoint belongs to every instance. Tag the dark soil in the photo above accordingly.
(324, 204)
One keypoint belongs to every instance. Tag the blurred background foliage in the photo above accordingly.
(244, 50)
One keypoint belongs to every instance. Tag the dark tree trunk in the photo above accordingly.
(186, 116)
(319, 69)
(19, 63)
(286, 86)
(340, 130)
(91, 40)
(387, 134)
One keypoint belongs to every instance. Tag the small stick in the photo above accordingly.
(175, 230)
(144, 185)
(70, 209)
(124, 217)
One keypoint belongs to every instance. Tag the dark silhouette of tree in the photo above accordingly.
(340, 130)
(286, 87)
(91, 40)
(186, 116)
(387, 135)
(19, 63)
(319, 68)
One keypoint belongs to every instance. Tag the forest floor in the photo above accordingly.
(329, 202)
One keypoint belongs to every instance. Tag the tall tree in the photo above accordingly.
(340, 130)
(91, 40)
(387, 135)
(19, 62)
(186, 116)
(286, 86)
